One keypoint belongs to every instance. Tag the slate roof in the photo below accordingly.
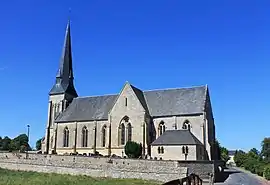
(88, 108)
(177, 137)
(64, 77)
(164, 102)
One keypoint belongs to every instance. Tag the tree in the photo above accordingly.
(254, 154)
(266, 149)
(239, 158)
(20, 143)
(38, 144)
(5, 143)
(133, 149)
(223, 153)
(217, 146)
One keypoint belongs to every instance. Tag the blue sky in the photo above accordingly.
(152, 44)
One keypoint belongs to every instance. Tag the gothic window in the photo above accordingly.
(66, 137)
(124, 131)
(84, 137)
(161, 128)
(129, 132)
(185, 149)
(162, 150)
(123, 135)
(103, 136)
(186, 125)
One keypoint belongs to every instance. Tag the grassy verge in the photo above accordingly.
(8, 177)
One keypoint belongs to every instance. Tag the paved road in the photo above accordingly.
(240, 177)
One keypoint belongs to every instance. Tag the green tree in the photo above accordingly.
(20, 142)
(267, 172)
(266, 149)
(217, 146)
(133, 149)
(5, 143)
(38, 144)
(239, 158)
(223, 153)
(254, 154)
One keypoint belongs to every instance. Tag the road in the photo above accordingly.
(240, 177)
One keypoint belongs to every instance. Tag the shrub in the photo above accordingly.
(267, 172)
(259, 168)
(133, 149)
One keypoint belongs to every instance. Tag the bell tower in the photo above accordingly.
(61, 94)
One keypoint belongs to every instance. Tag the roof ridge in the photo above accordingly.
(93, 96)
(175, 88)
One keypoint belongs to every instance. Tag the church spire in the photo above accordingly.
(65, 67)
(64, 77)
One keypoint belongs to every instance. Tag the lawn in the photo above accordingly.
(8, 177)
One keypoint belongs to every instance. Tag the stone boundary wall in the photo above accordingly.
(159, 170)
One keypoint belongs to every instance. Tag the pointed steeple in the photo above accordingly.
(64, 77)
(65, 67)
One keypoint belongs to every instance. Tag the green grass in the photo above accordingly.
(8, 177)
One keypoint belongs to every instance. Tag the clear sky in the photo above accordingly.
(152, 44)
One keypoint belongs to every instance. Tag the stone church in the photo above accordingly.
(170, 124)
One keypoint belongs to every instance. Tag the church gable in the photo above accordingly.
(129, 100)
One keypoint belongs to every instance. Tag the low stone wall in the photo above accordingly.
(160, 170)
(96, 167)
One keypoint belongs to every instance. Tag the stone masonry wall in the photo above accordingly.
(159, 170)
(96, 167)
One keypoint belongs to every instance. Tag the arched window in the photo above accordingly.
(158, 150)
(162, 150)
(186, 125)
(123, 135)
(185, 149)
(129, 132)
(124, 131)
(66, 137)
(161, 128)
(84, 136)
(103, 136)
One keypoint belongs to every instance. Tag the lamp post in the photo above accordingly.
(28, 130)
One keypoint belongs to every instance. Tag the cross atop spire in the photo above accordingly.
(64, 77)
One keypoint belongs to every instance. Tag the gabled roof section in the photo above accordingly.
(88, 108)
(177, 137)
(158, 103)
(178, 101)
(140, 96)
